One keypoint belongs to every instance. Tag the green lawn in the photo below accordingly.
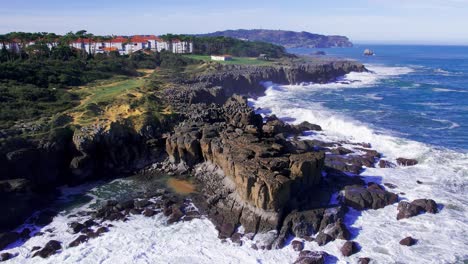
(235, 60)
(107, 93)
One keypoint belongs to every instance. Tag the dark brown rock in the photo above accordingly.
(79, 240)
(149, 212)
(175, 216)
(49, 249)
(311, 257)
(386, 164)
(407, 210)
(76, 227)
(372, 197)
(102, 230)
(349, 248)
(297, 245)
(408, 241)
(364, 260)
(6, 256)
(406, 162)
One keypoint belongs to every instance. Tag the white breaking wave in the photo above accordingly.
(442, 237)
(444, 173)
(447, 90)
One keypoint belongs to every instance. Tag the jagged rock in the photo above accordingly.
(406, 162)
(175, 216)
(408, 241)
(337, 230)
(407, 210)
(297, 245)
(311, 257)
(125, 205)
(341, 151)
(89, 223)
(372, 197)
(236, 239)
(386, 164)
(141, 203)
(349, 248)
(49, 249)
(76, 227)
(8, 238)
(79, 240)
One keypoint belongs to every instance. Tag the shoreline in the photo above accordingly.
(215, 82)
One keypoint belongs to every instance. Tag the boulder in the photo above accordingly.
(297, 245)
(372, 197)
(408, 241)
(341, 151)
(311, 257)
(386, 164)
(406, 162)
(416, 207)
(49, 249)
(149, 212)
(306, 126)
(349, 248)
(79, 240)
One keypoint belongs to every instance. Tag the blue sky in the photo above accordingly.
(381, 21)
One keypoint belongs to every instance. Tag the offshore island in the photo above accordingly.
(173, 114)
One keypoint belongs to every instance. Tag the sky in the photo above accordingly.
(363, 21)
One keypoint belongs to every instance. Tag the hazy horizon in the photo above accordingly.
(428, 22)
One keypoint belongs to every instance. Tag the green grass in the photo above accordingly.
(107, 93)
(235, 60)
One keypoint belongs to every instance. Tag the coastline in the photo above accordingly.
(217, 81)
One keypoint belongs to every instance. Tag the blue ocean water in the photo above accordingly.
(424, 97)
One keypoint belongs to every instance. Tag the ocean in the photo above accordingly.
(413, 104)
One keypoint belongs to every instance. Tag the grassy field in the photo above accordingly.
(235, 60)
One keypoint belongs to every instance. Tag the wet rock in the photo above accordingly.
(408, 241)
(175, 216)
(386, 164)
(89, 223)
(419, 182)
(349, 248)
(390, 185)
(141, 203)
(102, 230)
(364, 260)
(306, 126)
(35, 248)
(6, 256)
(311, 257)
(45, 217)
(125, 205)
(372, 197)
(236, 239)
(49, 249)
(406, 162)
(149, 212)
(79, 240)
(136, 211)
(8, 238)
(76, 227)
(416, 207)
(323, 239)
(297, 245)
(341, 151)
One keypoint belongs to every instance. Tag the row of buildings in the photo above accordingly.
(123, 45)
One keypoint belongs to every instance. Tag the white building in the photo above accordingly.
(221, 57)
(182, 46)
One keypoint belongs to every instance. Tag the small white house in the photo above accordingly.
(221, 57)
(182, 46)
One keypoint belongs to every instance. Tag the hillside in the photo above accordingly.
(288, 39)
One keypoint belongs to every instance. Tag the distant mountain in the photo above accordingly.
(288, 39)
